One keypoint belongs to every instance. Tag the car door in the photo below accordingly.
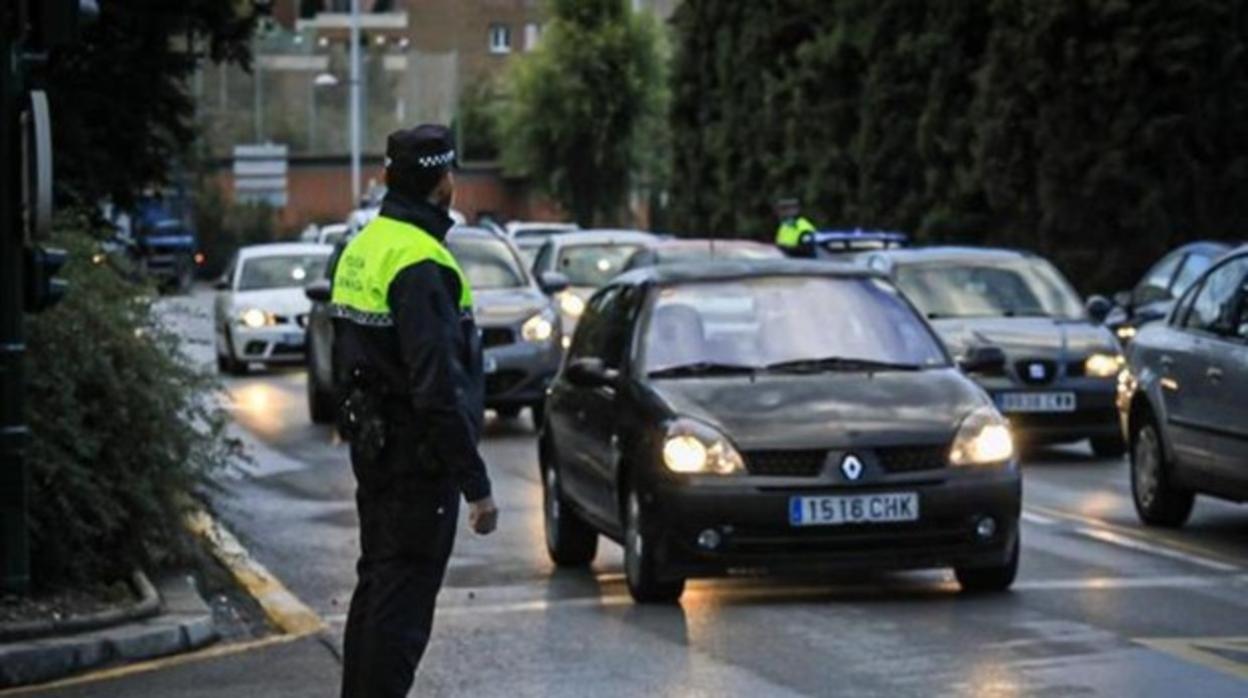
(1210, 370)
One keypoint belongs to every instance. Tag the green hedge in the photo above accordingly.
(125, 432)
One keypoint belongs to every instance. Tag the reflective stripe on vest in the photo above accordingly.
(371, 261)
(790, 233)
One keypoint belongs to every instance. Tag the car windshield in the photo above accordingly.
(593, 265)
(280, 271)
(1009, 288)
(785, 323)
(488, 263)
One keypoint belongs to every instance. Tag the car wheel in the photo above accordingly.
(1157, 501)
(538, 410)
(569, 540)
(979, 580)
(641, 566)
(1109, 446)
(228, 363)
(321, 406)
(508, 411)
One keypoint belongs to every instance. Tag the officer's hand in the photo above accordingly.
(482, 516)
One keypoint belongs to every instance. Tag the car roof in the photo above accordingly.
(700, 243)
(602, 236)
(728, 270)
(1212, 248)
(274, 249)
(472, 231)
(950, 253)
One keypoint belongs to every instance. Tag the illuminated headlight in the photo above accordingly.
(694, 448)
(255, 317)
(571, 304)
(1103, 365)
(539, 328)
(983, 439)
(1126, 333)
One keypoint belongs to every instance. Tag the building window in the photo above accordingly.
(500, 38)
(532, 33)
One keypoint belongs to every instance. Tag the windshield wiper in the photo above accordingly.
(838, 363)
(703, 368)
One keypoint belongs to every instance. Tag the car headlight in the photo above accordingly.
(983, 439)
(1126, 333)
(538, 328)
(1102, 365)
(571, 304)
(255, 317)
(694, 448)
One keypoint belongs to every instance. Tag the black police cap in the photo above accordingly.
(425, 147)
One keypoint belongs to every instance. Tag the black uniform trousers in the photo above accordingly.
(407, 530)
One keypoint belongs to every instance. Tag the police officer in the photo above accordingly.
(795, 235)
(407, 352)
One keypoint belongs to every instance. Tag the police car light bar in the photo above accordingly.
(850, 239)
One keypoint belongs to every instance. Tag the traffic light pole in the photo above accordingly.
(14, 434)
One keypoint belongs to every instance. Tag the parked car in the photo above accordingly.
(260, 314)
(1182, 399)
(588, 259)
(520, 327)
(774, 416)
(1047, 361)
(691, 250)
(331, 234)
(1155, 294)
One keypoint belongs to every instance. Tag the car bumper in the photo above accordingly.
(518, 374)
(280, 344)
(1095, 413)
(756, 536)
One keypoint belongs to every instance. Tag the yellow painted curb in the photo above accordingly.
(282, 607)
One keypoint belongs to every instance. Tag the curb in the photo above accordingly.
(147, 606)
(283, 608)
(185, 624)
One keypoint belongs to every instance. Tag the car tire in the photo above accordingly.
(570, 541)
(321, 406)
(986, 580)
(538, 411)
(1158, 502)
(1109, 446)
(642, 570)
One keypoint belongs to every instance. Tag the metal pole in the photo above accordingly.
(311, 115)
(355, 103)
(257, 83)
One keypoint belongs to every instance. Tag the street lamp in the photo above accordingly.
(322, 80)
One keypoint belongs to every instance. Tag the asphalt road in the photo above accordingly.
(1102, 607)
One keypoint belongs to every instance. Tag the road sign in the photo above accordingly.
(260, 174)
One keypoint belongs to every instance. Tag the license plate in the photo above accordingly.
(883, 507)
(292, 338)
(490, 364)
(1036, 402)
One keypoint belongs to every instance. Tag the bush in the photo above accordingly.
(125, 431)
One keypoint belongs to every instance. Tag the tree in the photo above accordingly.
(122, 113)
(580, 111)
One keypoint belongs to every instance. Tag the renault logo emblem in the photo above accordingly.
(851, 467)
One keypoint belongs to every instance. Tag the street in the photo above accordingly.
(1102, 607)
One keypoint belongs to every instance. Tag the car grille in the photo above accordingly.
(1024, 370)
(497, 336)
(785, 463)
(910, 459)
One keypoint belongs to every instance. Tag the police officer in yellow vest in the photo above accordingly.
(794, 235)
(407, 351)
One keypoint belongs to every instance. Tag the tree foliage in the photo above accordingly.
(582, 113)
(122, 110)
(1064, 126)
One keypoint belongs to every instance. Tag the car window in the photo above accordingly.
(280, 271)
(1155, 285)
(591, 335)
(1193, 266)
(541, 263)
(762, 321)
(593, 265)
(488, 263)
(1007, 288)
(605, 328)
(1218, 305)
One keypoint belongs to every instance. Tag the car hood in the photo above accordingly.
(1030, 337)
(504, 306)
(279, 301)
(827, 410)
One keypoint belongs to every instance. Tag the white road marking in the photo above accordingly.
(1037, 519)
(1142, 546)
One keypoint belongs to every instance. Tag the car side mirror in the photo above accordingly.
(1098, 308)
(552, 282)
(590, 373)
(982, 360)
(222, 284)
(1122, 299)
(318, 291)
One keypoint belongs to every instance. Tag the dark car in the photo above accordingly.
(520, 328)
(774, 417)
(693, 250)
(1049, 364)
(1183, 401)
(1154, 296)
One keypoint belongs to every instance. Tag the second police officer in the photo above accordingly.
(407, 352)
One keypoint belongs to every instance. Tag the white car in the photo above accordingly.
(261, 312)
(331, 234)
